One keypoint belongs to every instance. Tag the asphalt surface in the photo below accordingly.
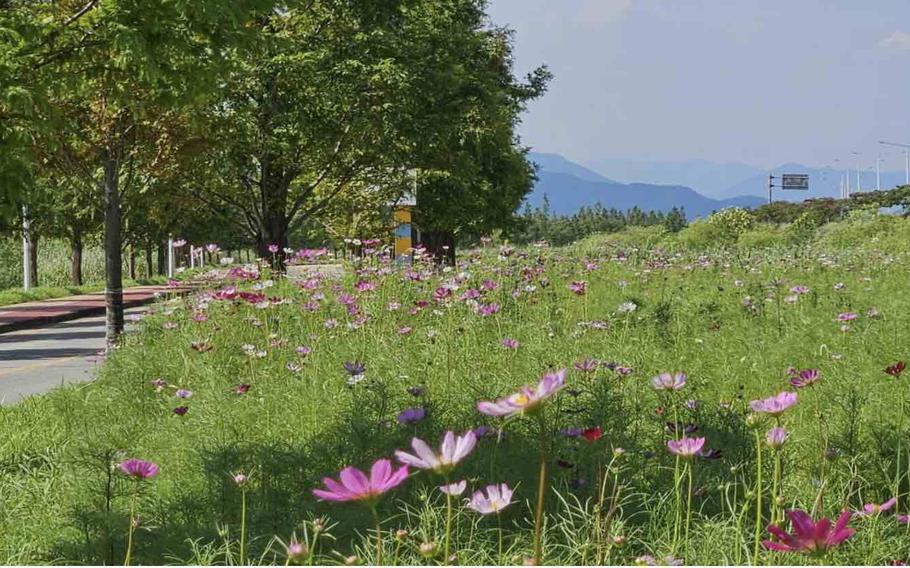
(34, 361)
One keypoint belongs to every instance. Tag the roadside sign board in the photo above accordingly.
(794, 181)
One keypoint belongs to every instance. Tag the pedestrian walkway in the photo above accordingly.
(37, 314)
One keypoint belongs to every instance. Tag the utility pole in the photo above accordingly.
(906, 148)
(770, 187)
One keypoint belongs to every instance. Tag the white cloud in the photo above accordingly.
(897, 40)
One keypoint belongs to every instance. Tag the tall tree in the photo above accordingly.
(143, 57)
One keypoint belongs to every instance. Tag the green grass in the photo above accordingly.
(63, 501)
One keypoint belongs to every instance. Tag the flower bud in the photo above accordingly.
(428, 549)
(352, 560)
(401, 534)
(753, 421)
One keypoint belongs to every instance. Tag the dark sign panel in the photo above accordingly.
(794, 181)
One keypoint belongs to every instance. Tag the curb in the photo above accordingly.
(78, 313)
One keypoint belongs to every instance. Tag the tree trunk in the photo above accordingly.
(148, 259)
(440, 246)
(76, 247)
(113, 249)
(132, 262)
(162, 259)
(33, 257)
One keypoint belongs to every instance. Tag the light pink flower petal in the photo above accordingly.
(447, 449)
(411, 460)
(423, 450)
(354, 481)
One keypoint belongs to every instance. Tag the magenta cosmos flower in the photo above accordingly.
(453, 450)
(509, 343)
(872, 509)
(497, 498)
(669, 381)
(686, 447)
(528, 399)
(356, 486)
(805, 378)
(138, 469)
(776, 405)
(809, 536)
(579, 287)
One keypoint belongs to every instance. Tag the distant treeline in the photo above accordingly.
(534, 224)
(542, 224)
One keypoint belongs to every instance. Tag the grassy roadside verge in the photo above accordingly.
(18, 295)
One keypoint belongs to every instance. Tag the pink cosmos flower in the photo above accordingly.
(587, 365)
(776, 437)
(509, 343)
(686, 447)
(453, 450)
(138, 469)
(528, 399)
(847, 316)
(356, 486)
(872, 509)
(454, 489)
(809, 536)
(579, 287)
(497, 498)
(273, 248)
(775, 405)
(668, 381)
(487, 309)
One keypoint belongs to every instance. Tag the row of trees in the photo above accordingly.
(254, 121)
(542, 224)
(827, 209)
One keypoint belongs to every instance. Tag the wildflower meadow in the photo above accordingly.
(605, 404)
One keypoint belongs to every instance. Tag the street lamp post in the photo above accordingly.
(906, 148)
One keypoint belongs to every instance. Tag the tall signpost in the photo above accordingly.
(788, 182)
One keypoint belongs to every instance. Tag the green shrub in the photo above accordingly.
(867, 230)
(764, 236)
(629, 238)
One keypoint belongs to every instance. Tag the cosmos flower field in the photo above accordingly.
(607, 405)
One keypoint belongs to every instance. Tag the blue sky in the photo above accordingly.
(755, 81)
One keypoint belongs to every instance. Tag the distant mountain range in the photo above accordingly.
(709, 178)
(699, 186)
(569, 186)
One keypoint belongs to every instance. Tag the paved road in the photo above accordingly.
(34, 361)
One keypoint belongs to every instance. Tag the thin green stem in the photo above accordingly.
(243, 561)
(758, 499)
(448, 524)
(378, 536)
(132, 527)
(541, 495)
(689, 467)
(500, 560)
